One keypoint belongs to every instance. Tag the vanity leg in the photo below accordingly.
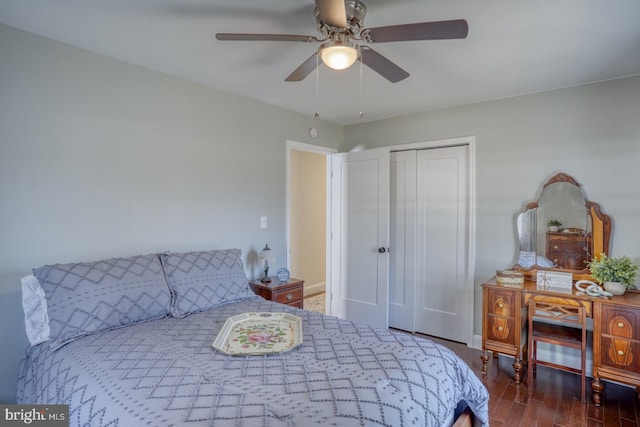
(517, 370)
(598, 388)
(485, 358)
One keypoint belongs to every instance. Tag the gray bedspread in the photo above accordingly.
(165, 373)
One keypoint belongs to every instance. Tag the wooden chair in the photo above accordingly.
(572, 332)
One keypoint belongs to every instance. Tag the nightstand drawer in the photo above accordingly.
(289, 296)
(289, 292)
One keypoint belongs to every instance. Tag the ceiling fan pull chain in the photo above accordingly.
(361, 112)
(317, 115)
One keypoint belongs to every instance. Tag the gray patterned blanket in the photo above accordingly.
(165, 373)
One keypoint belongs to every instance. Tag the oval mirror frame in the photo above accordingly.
(599, 225)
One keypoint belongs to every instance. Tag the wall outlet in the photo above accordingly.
(263, 222)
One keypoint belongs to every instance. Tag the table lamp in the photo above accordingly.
(267, 260)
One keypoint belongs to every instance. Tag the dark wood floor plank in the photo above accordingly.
(532, 413)
(516, 413)
(552, 401)
(579, 413)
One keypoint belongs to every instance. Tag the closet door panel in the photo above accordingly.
(402, 254)
(442, 243)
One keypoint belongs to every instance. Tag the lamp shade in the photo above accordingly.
(339, 55)
(266, 260)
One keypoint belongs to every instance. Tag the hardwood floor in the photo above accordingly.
(555, 400)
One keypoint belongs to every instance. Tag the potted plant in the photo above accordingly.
(617, 274)
(553, 225)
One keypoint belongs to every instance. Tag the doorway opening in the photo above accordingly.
(308, 177)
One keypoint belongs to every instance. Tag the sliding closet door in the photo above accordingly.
(442, 243)
(402, 256)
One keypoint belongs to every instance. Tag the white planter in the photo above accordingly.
(615, 288)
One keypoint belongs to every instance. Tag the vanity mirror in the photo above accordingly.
(582, 235)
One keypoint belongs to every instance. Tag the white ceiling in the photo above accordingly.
(514, 47)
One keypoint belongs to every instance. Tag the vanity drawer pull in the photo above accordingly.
(289, 297)
(500, 328)
(620, 353)
(555, 247)
(620, 325)
(501, 304)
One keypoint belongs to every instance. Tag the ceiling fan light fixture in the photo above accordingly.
(339, 55)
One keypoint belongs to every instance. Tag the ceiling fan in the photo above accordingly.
(340, 23)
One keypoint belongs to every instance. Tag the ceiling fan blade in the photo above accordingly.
(265, 37)
(332, 12)
(382, 65)
(304, 69)
(437, 30)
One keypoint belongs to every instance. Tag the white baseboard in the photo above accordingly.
(314, 288)
(477, 342)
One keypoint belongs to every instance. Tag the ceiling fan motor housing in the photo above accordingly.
(355, 11)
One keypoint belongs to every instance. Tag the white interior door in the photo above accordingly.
(443, 289)
(360, 233)
(402, 256)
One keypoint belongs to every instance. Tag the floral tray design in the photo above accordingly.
(259, 333)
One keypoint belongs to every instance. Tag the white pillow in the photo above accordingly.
(34, 304)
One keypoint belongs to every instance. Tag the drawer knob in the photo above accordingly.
(500, 328)
(289, 297)
(555, 247)
(620, 353)
(620, 325)
(500, 304)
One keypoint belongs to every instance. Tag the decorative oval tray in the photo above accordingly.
(259, 333)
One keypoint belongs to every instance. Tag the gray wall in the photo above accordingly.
(99, 158)
(591, 132)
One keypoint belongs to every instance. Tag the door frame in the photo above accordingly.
(318, 149)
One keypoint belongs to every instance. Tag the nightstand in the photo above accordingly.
(289, 292)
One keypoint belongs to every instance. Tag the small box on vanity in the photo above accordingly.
(509, 278)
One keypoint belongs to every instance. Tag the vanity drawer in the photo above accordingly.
(620, 353)
(501, 329)
(501, 303)
(620, 322)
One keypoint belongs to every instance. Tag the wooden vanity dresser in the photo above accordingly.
(616, 330)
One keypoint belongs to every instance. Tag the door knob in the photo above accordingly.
(381, 250)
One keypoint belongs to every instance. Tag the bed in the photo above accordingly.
(163, 371)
